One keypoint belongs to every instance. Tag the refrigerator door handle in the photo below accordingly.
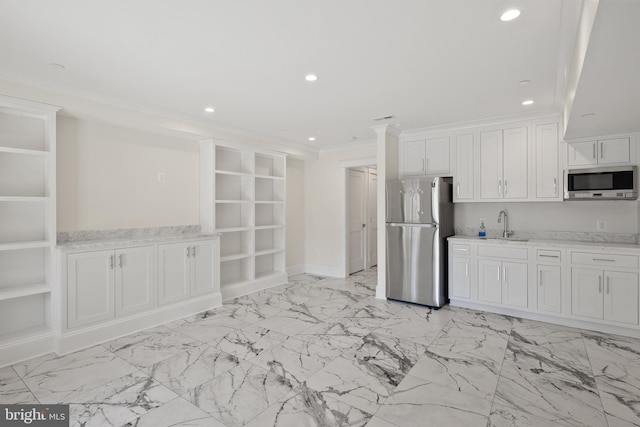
(407, 224)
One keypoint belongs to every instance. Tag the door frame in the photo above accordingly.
(346, 165)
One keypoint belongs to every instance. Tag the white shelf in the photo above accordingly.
(267, 274)
(24, 245)
(232, 229)
(269, 202)
(268, 227)
(277, 178)
(233, 201)
(269, 251)
(23, 199)
(234, 257)
(24, 290)
(223, 172)
(23, 151)
(25, 334)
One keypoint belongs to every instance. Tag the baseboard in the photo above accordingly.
(27, 348)
(78, 339)
(295, 269)
(381, 292)
(236, 290)
(324, 270)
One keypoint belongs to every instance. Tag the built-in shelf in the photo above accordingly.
(24, 245)
(269, 251)
(24, 334)
(232, 229)
(269, 202)
(233, 257)
(268, 227)
(24, 290)
(233, 201)
(223, 172)
(268, 274)
(23, 151)
(23, 199)
(277, 178)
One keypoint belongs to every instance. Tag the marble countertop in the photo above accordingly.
(129, 241)
(564, 244)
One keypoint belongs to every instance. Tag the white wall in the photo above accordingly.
(107, 177)
(295, 215)
(324, 195)
(621, 216)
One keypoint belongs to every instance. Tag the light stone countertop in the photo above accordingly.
(562, 244)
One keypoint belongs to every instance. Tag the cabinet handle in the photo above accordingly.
(458, 189)
(188, 252)
(120, 260)
(499, 188)
(193, 251)
(555, 186)
(548, 256)
(602, 150)
(594, 150)
(506, 189)
(540, 280)
(504, 273)
(604, 259)
(423, 168)
(111, 262)
(466, 269)
(498, 273)
(608, 284)
(426, 167)
(599, 284)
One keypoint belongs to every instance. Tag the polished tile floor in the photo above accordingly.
(325, 352)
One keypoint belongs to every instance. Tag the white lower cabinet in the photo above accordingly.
(607, 295)
(135, 280)
(90, 287)
(549, 288)
(186, 269)
(502, 282)
(460, 279)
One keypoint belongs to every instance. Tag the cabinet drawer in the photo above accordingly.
(464, 250)
(505, 251)
(546, 255)
(605, 260)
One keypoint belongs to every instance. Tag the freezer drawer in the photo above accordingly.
(416, 264)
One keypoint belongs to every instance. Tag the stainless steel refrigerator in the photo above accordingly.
(419, 220)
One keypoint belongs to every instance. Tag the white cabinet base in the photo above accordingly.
(249, 286)
(77, 339)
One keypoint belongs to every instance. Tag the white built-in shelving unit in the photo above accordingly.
(243, 198)
(27, 223)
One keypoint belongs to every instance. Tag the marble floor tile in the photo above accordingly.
(310, 408)
(59, 379)
(395, 356)
(192, 368)
(238, 395)
(296, 360)
(246, 309)
(117, 402)
(302, 279)
(152, 346)
(619, 386)
(178, 412)
(416, 400)
(13, 390)
(541, 333)
(291, 322)
(379, 422)
(471, 375)
(419, 330)
(612, 347)
(503, 415)
(336, 333)
(52, 362)
(249, 342)
(209, 328)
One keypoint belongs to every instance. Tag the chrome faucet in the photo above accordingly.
(506, 233)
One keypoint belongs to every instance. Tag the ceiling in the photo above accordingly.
(425, 62)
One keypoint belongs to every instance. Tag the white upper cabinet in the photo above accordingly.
(504, 164)
(547, 168)
(426, 157)
(601, 152)
(463, 174)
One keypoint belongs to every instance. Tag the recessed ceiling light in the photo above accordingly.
(311, 77)
(525, 82)
(527, 102)
(209, 110)
(510, 15)
(312, 138)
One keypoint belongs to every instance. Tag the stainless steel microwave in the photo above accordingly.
(603, 183)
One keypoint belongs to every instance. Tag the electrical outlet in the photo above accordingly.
(162, 177)
(601, 225)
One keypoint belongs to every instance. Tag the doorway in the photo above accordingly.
(362, 227)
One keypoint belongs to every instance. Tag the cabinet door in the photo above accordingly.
(413, 158)
(490, 281)
(621, 297)
(464, 168)
(173, 272)
(582, 153)
(547, 171)
(515, 163)
(90, 283)
(491, 165)
(613, 151)
(514, 284)
(549, 288)
(437, 155)
(205, 275)
(460, 283)
(135, 280)
(586, 292)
